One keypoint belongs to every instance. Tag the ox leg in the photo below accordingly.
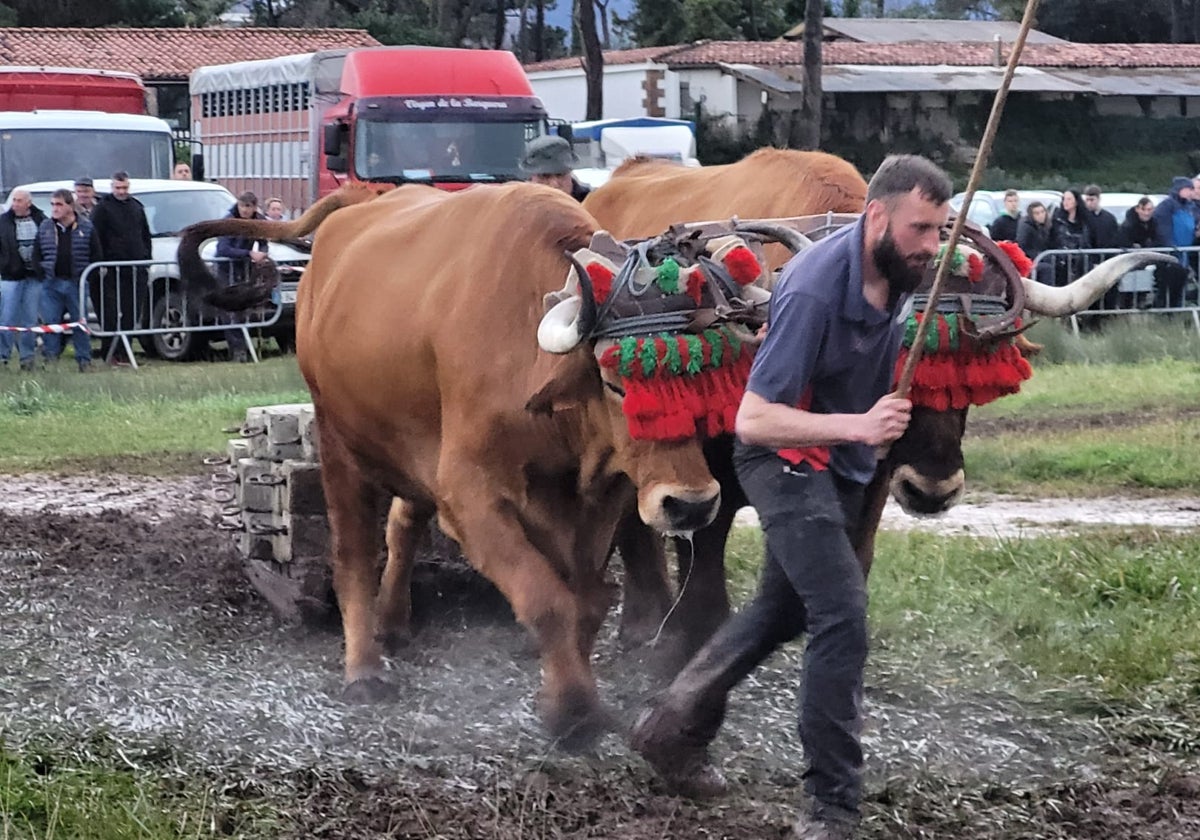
(874, 499)
(542, 601)
(353, 505)
(405, 526)
(646, 593)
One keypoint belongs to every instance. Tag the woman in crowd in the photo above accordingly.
(1069, 233)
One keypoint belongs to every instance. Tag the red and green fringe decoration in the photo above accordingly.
(695, 284)
(680, 385)
(955, 372)
(666, 276)
(742, 265)
(974, 268)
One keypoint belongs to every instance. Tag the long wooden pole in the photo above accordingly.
(985, 150)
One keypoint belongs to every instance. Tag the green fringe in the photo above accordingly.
(649, 357)
(718, 346)
(667, 276)
(673, 360)
(629, 349)
(695, 354)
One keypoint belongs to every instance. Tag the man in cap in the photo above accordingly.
(549, 160)
(85, 198)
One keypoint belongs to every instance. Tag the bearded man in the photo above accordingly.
(817, 405)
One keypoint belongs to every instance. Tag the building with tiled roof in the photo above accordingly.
(876, 92)
(164, 57)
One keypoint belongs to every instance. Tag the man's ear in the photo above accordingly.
(571, 380)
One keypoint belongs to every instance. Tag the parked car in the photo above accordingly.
(986, 205)
(170, 207)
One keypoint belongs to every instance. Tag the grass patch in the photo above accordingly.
(95, 791)
(1112, 615)
(159, 419)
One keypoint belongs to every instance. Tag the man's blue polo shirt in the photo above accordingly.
(827, 349)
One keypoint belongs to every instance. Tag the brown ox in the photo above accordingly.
(644, 196)
(416, 329)
(923, 470)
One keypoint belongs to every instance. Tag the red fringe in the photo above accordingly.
(742, 265)
(1023, 264)
(967, 377)
(677, 407)
(974, 268)
(602, 280)
(695, 283)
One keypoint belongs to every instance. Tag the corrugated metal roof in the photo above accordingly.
(766, 78)
(896, 30)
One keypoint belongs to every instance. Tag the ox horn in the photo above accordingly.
(571, 320)
(1058, 301)
(792, 238)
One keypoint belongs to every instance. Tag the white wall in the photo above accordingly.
(564, 92)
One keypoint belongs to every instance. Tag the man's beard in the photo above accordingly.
(903, 276)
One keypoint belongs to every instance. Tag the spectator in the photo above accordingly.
(66, 244)
(120, 300)
(549, 160)
(1033, 235)
(1105, 232)
(182, 172)
(85, 198)
(275, 209)
(1068, 232)
(240, 254)
(1175, 227)
(20, 291)
(1138, 229)
(1004, 226)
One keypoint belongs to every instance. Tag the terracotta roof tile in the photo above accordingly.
(165, 54)
(767, 53)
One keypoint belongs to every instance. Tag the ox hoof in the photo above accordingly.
(577, 721)
(638, 631)
(366, 690)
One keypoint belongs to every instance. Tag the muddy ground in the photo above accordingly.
(126, 622)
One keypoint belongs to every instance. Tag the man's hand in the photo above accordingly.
(886, 421)
(257, 256)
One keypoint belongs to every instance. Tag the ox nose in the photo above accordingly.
(689, 514)
(922, 503)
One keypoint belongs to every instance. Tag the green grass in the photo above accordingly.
(1110, 615)
(163, 417)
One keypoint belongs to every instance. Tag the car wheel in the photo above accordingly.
(173, 346)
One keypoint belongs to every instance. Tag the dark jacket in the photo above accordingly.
(1003, 228)
(1070, 235)
(579, 191)
(1103, 226)
(85, 248)
(1138, 234)
(1033, 238)
(122, 227)
(12, 267)
(237, 250)
(1174, 217)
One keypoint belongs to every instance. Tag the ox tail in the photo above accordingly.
(198, 279)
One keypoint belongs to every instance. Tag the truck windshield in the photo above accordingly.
(41, 154)
(440, 151)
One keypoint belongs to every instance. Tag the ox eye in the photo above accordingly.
(616, 389)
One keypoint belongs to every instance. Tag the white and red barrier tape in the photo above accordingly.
(49, 328)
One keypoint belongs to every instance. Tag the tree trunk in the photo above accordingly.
(539, 31)
(523, 33)
(593, 60)
(1177, 21)
(810, 111)
(500, 25)
(605, 34)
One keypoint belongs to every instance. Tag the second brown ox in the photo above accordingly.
(416, 333)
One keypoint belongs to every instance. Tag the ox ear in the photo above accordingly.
(572, 380)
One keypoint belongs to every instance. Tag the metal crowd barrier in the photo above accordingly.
(1146, 291)
(146, 298)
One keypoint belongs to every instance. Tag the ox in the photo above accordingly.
(923, 470)
(416, 329)
(644, 197)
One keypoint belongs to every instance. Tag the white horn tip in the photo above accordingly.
(557, 332)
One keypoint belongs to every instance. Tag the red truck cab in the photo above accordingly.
(298, 127)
